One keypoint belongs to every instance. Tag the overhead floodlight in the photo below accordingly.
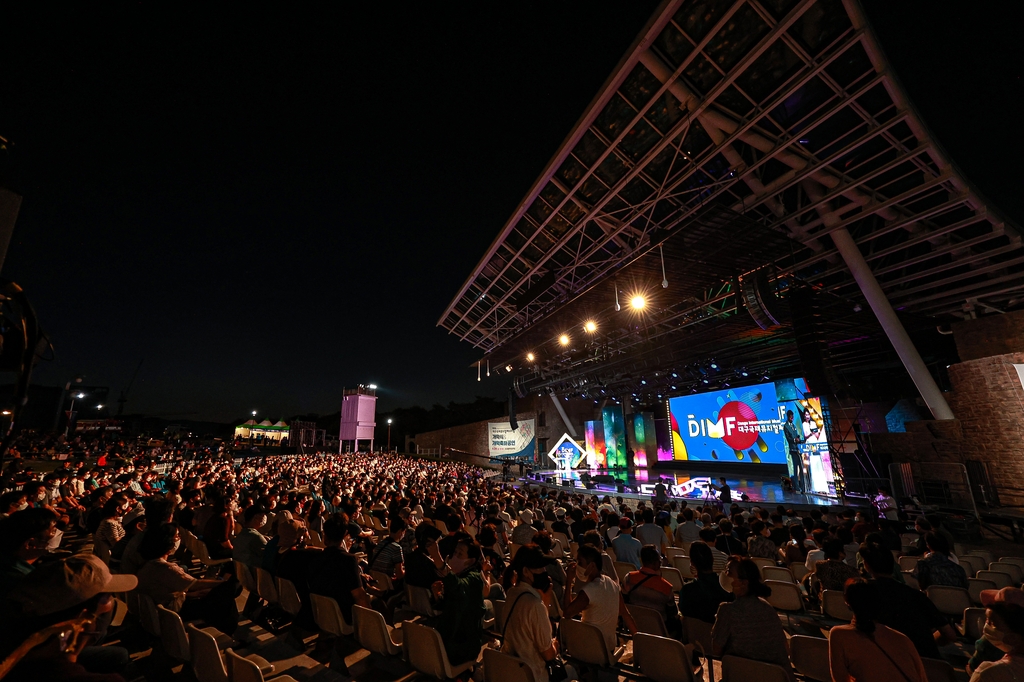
(508, 368)
(564, 339)
(80, 396)
(372, 387)
(590, 326)
(530, 357)
(638, 302)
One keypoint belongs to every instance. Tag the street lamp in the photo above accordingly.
(252, 428)
(71, 412)
(389, 435)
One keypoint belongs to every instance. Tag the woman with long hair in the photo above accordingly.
(867, 650)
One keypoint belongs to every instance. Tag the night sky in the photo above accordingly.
(267, 206)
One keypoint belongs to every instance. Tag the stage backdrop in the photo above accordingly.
(503, 441)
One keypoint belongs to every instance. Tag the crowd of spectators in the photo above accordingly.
(447, 544)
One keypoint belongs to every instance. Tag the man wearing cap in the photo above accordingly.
(1003, 630)
(524, 533)
(627, 548)
(560, 526)
(525, 623)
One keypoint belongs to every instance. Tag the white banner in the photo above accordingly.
(504, 442)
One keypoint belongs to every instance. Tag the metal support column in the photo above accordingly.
(898, 336)
(561, 412)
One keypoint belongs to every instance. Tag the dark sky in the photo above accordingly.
(266, 206)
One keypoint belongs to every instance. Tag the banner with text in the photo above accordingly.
(504, 441)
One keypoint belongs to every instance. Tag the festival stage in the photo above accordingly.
(689, 485)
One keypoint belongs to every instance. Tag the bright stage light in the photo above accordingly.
(508, 368)
(564, 339)
(372, 387)
(590, 326)
(530, 357)
(638, 302)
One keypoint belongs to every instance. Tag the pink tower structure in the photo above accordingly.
(358, 416)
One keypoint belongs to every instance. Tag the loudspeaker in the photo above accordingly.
(512, 421)
(811, 344)
(760, 299)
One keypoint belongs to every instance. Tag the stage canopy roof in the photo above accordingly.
(733, 138)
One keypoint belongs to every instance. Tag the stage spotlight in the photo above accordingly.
(530, 357)
(564, 339)
(643, 381)
(714, 365)
(638, 302)
(743, 372)
(508, 368)
(674, 375)
(590, 326)
(673, 388)
(705, 381)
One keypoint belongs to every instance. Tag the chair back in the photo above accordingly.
(736, 669)
(328, 617)
(243, 670)
(661, 659)
(682, 564)
(698, 633)
(938, 671)
(974, 623)
(419, 600)
(799, 570)
(1014, 570)
(623, 568)
(908, 562)
(584, 642)
(1018, 560)
(950, 601)
(573, 546)
(500, 667)
(785, 596)
(207, 663)
(648, 620)
(441, 526)
(810, 656)
(148, 616)
(778, 573)
(998, 577)
(288, 596)
(372, 632)
(674, 577)
(762, 562)
(499, 613)
(975, 587)
(512, 549)
(985, 555)
(265, 585)
(562, 539)
(972, 564)
(672, 552)
(172, 634)
(424, 650)
(315, 539)
(833, 605)
(246, 578)
(383, 580)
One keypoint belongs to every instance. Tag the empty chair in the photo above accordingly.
(374, 634)
(383, 580)
(1015, 571)
(833, 605)
(778, 573)
(908, 563)
(950, 601)
(557, 551)
(425, 652)
(998, 577)
(975, 587)
(938, 671)
(661, 659)
(288, 596)
(265, 585)
(984, 554)
(205, 656)
(810, 656)
(173, 637)
(974, 623)
(798, 570)
(972, 564)
(672, 552)
(1018, 560)
(762, 562)
(674, 577)
(736, 669)
(328, 617)
(584, 643)
(149, 618)
(244, 670)
(548, 525)
(201, 552)
(785, 596)
(682, 564)
(500, 667)
(623, 568)
(648, 620)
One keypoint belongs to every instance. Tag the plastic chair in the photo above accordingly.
(419, 600)
(798, 570)
(938, 671)
(512, 549)
(661, 659)
(1015, 571)
(288, 596)
(149, 618)
(1000, 578)
(1017, 560)
(908, 563)
(623, 568)
(736, 669)
(672, 552)
(206, 658)
(778, 573)
(499, 667)
(573, 546)
(810, 656)
(328, 617)
(762, 562)
(975, 587)
(201, 551)
(244, 670)
(785, 596)
(674, 576)
(584, 643)
(246, 577)
(374, 634)
(698, 633)
(972, 564)
(984, 554)
(682, 564)
(265, 586)
(974, 623)
(648, 620)
(833, 605)
(950, 601)
(383, 580)
(563, 540)
(425, 652)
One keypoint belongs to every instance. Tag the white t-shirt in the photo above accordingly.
(813, 557)
(603, 607)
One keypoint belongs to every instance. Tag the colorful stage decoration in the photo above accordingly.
(567, 453)
(614, 437)
(594, 439)
(508, 443)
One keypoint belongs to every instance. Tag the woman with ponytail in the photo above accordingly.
(867, 650)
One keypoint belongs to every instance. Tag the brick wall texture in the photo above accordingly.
(992, 335)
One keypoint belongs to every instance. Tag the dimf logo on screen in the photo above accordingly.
(731, 426)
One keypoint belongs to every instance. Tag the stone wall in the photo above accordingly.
(992, 335)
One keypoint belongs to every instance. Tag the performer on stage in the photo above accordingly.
(793, 438)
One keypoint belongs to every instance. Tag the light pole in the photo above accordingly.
(251, 428)
(71, 412)
(389, 435)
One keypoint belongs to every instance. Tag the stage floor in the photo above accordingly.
(684, 485)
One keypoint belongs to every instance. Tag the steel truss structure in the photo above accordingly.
(733, 136)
